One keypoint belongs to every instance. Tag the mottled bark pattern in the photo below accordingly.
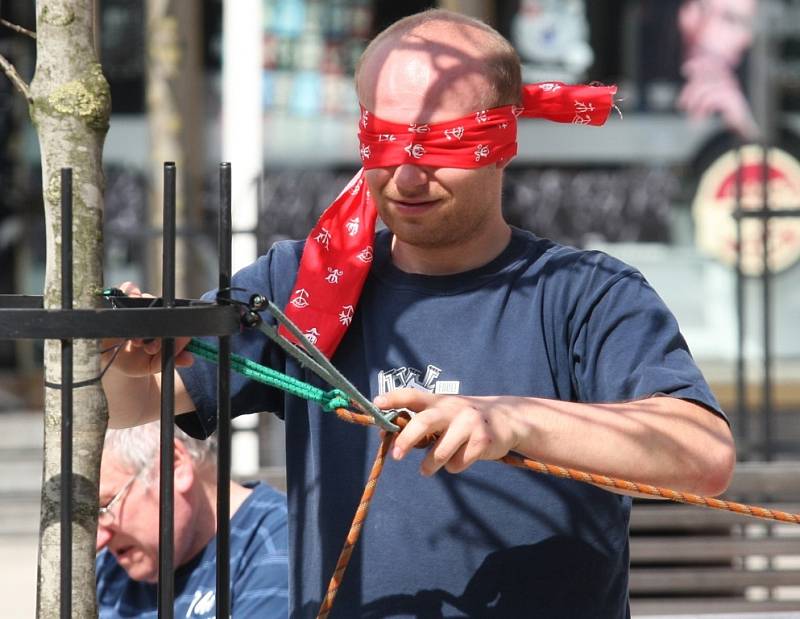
(70, 109)
(173, 113)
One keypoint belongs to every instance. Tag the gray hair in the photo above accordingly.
(137, 448)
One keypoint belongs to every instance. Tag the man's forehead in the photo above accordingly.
(112, 471)
(410, 85)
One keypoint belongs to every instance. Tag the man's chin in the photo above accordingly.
(423, 236)
(147, 577)
(139, 572)
(420, 239)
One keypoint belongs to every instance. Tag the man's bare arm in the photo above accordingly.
(134, 400)
(132, 383)
(662, 441)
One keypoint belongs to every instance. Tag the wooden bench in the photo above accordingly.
(687, 559)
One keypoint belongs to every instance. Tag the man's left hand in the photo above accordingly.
(466, 429)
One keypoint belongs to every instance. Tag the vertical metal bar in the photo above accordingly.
(166, 573)
(224, 403)
(742, 419)
(259, 210)
(767, 303)
(66, 398)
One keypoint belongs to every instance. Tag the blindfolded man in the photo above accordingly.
(497, 339)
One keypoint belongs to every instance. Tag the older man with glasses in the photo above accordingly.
(128, 532)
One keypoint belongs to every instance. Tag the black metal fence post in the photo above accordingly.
(166, 575)
(766, 289)
(66, 397)
(743, 434)
(224, 402)
(766, 444)
(24, 317)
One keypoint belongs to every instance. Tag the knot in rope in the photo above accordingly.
(335, 399)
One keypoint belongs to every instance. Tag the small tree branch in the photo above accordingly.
(16, 28)
(15, 78)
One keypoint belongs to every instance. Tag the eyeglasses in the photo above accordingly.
(104, 514)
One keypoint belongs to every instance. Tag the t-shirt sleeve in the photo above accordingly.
(247, 396)
(628, 346)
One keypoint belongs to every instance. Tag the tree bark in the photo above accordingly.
(174, 113)
(70, 108)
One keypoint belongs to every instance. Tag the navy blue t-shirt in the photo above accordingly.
(259, 570)
(494, 541)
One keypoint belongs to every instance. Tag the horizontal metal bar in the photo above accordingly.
(663, 515)
(125, 323)
(26, 301)
(709, 548)
(766, 213)
(21, 301)
(712, 606)
(707, 579)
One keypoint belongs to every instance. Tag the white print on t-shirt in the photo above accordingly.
(397, 378)
(202, 603)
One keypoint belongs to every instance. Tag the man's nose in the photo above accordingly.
(103, 537)
(409, 177)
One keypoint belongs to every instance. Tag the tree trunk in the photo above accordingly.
(174, 115)
(70, 109)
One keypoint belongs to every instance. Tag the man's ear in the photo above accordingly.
(184, 468)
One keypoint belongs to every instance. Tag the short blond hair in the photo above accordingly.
(503, 66)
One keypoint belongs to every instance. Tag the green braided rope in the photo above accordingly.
(329, 400)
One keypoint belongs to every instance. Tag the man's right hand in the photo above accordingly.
(140, 357)
(133, 382)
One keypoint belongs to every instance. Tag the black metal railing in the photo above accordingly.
(23, 317)
(765, 446)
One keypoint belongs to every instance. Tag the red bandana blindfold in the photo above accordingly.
(338, 252)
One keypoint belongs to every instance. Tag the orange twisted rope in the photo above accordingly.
(355, 527)
(655, 491)
(526, 463)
